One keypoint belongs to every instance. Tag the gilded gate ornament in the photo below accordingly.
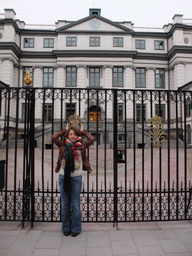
(74, 121)
(27, 79)
(156, 131)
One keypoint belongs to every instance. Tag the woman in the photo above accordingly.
(71, 162)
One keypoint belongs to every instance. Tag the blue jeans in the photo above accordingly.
(70, 205)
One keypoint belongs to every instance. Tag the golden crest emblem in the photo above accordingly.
(75, 121)
(156, 131)
(28, 79)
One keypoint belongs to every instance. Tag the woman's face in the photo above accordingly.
(72, 136)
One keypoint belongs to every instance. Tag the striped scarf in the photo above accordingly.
(71, 153)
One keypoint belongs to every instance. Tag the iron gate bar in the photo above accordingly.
(7, 146)
(168, 162)
(143, 163)
(177, 154)
(97, 101)
(15, 160)
(32, 153)
(115, 152)
(105, 156)
(125, 147)
(151, 115)
(88, 106)
(52, 159)
(160, 157)
(42, 146)
(185, 153)
(134, 155)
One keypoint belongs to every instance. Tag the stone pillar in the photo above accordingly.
(81, 76)
(21, 77)
(60, 76)
(7, 71)
(150, 78)
(38, 82)
(16, 75)
(108, 77)
(37, 76)
(179, 74)
(128, 77)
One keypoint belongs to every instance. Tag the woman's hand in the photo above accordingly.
(81, 128)
(67, 126)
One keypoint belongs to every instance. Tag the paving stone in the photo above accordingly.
(46, 252)
(120, 235)
(99, 252)
(147, 240)
(3, 251)
(19, 248)
(184, 236)
(151, 251)
(164, 234)
(173, 246)
(50, 240)
(98, 241)
(6, 241)
(124, 247)
(73, 248)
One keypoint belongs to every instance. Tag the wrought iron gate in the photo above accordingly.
(141, 157)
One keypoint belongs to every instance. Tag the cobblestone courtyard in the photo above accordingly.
(155, 166)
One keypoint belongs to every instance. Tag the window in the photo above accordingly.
(48, 77)
(94, 41)
(31, 74)
(47, 112)
(70, 110)
(118, 77)
(121, 137)
(71, 76)
(159, 45)
(119, 112)
(140, 112)
(94, 77)
(161, 111)
(139, 44)
(28, 42)
(48, 43)
(71, 41)
(140, 78)
(160, 78)
(188, 108)
(117, 41)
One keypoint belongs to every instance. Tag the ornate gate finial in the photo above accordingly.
(156, 131)
(27, 79)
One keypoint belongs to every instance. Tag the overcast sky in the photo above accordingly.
(143, 13)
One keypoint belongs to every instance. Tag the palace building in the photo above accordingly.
(94, 52)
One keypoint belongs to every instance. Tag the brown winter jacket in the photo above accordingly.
(86, 144)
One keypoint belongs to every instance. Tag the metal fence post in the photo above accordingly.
(115, 153)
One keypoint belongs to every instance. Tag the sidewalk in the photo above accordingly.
(97, 239)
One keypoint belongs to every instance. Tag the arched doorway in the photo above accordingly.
(93, 112)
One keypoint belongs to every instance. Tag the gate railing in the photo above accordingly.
(133, 179)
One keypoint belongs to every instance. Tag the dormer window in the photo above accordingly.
(94, 12)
